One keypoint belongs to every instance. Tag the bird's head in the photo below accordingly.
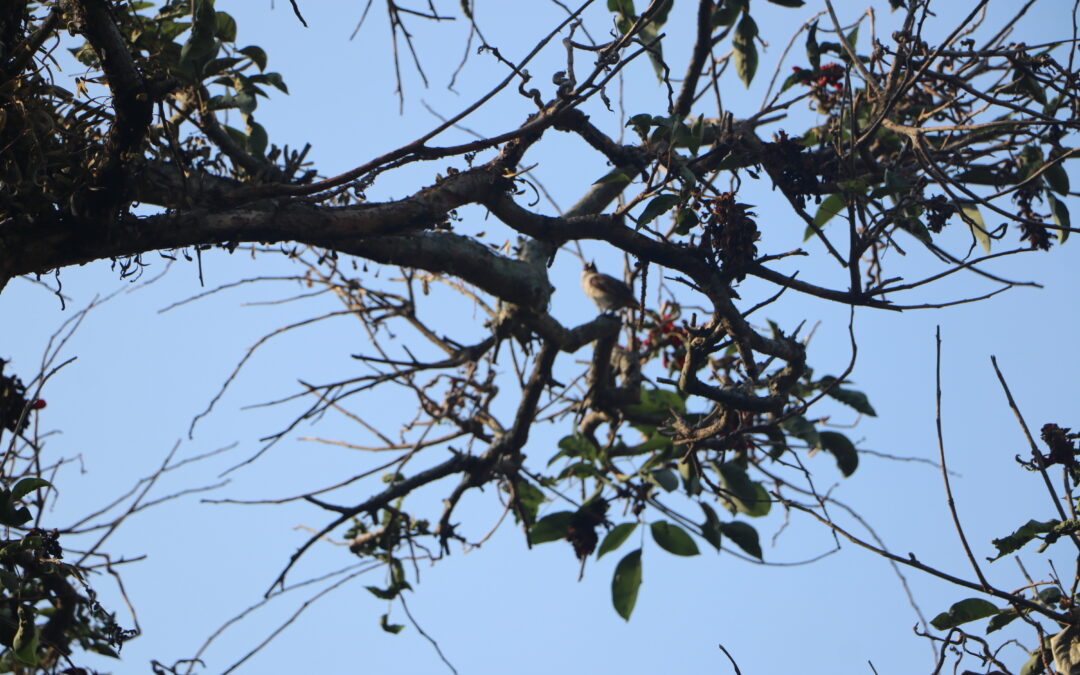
(590, 266)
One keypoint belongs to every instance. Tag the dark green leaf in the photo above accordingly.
(226, 27)
(661, 14)
(697, 134)
(1002, 619)
(625, 584)
(725, 16)
(384, 593)
(962, 612)
(983, 175)
(394, 628)
(1057, 179)
(256, 138)
(800, 427)
(1034, 665)
(744, 535)
(711, 530)
(13, 517)
(673, 538)
(665, 478)
(791, 81)
(813, 51)
(577, 445)
(685, 220)
(1026, 533)
(746, 496)
(220, 65)
(847, 458)
(551, 527)
(1060, 213)
(657, 206)
(691, 480)
(273, 79)
(200, 45)
(615, 538)
(849, 397)
(788, 3)
(27, 485)
(256, 54)
(746, 56)
(529, 499)
(579, 470)
(1051, 595)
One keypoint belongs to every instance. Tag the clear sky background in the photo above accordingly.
(141, 375)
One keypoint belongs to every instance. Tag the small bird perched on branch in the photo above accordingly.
(606, 291)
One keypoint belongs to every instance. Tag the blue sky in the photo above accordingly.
(141, 376)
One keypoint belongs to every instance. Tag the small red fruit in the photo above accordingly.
(38, 404)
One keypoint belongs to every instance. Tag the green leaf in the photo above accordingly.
(685, 220)
(529, 499)
(657, 206)
(1034, 665)
(256, 138)
(746, 56)
(832, 205)
(661, 14)
(725, 16)
(1002, 619)
(273, 79)
(257, 56)
(551, 527)
(225, 27)
(1022, 536)
(579, 470)
(788, 3)
(200, 45)
(711, 530)
(625, 584)
(673, 538)
(963, 612)
(1057, 179)
(614, 176)
(657, 403)
(744, 535)
(1060, 213)
(384, 623)
(665, 478)
(384, 593)
(697, 135)
(813, 51)
(25, 643)
(800, 427)
(974, 221)
(747, 496)
(1051, 595)
(615, 538)
(847, 458)
(691, 480)
(27, 485)
(576, 445)
(849, 397)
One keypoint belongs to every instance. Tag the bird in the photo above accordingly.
(606, 291)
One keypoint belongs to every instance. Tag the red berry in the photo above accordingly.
(39, 404)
